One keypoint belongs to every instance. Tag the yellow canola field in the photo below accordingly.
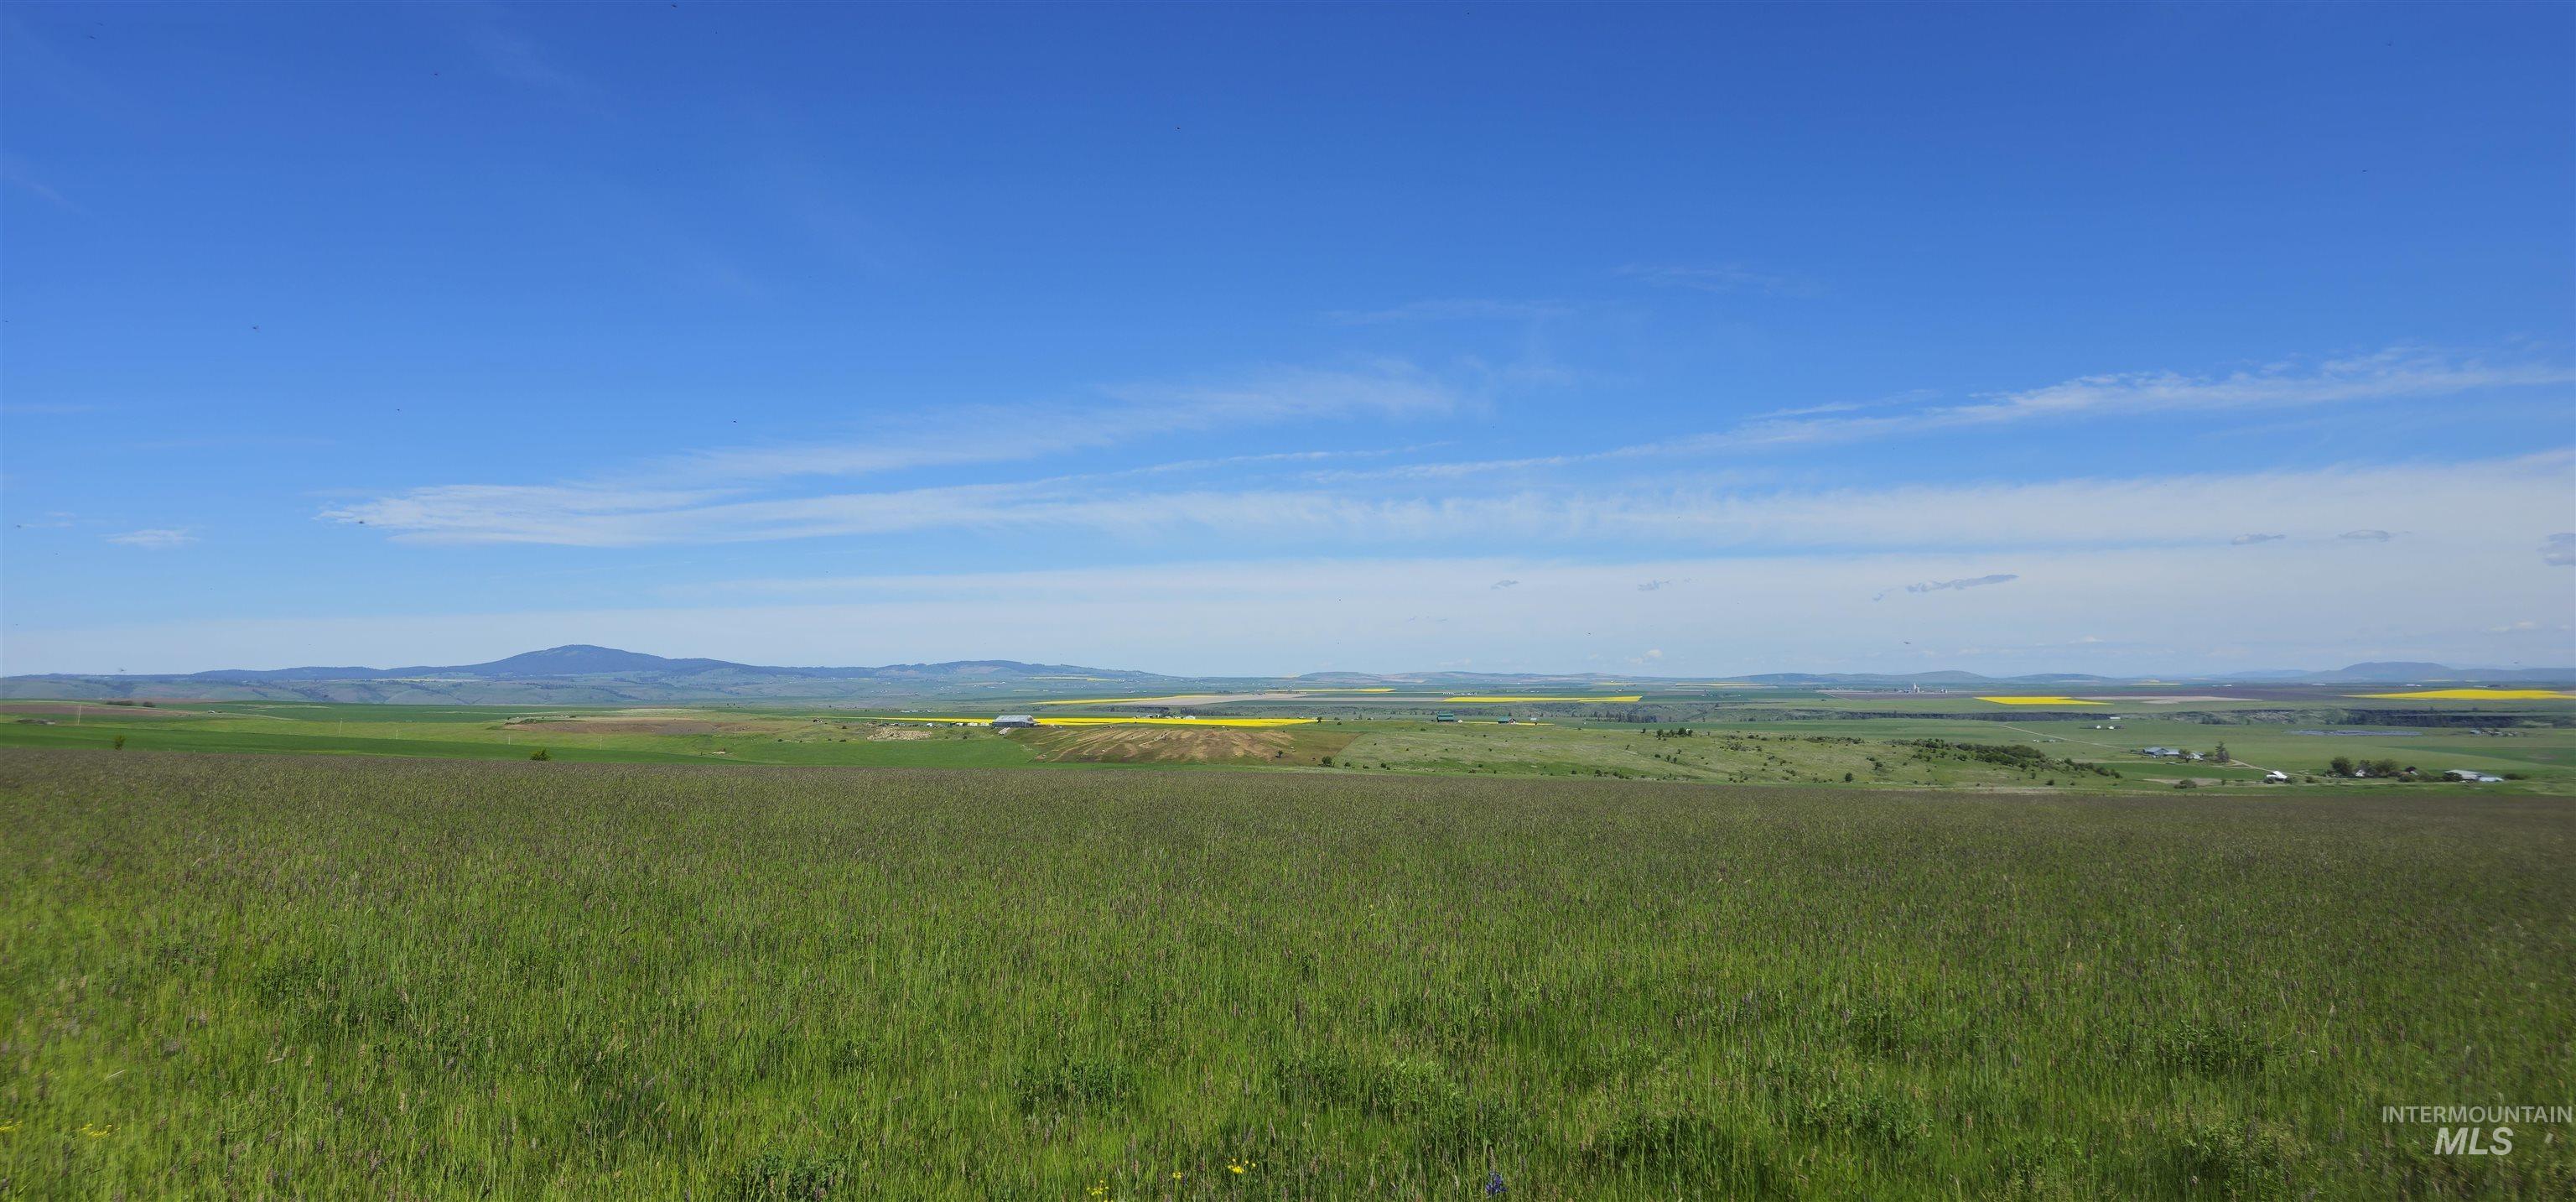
(2472, 695)
(2040, 701)
(1482, 700)
(1096, 721)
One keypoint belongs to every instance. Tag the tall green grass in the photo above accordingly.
(265, 976)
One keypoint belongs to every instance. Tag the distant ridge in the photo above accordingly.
(585, 659)
(584, 674)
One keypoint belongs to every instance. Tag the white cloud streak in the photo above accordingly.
(1935, 586)
(153, 539)
(1943, 586)
(2396, 373)
(1466, 309)
(945, 436)
(714, 496)
(1723, 277)
(2447, 496)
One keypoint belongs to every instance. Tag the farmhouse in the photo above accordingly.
(2472, 776)
(2276, 777)
(2160, 751)
(1013, 721)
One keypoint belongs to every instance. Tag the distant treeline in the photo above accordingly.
(2008, 755)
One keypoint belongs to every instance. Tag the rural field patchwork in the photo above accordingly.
(1899, 740)
(2474, 695)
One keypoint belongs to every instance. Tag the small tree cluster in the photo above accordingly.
(2344, 765)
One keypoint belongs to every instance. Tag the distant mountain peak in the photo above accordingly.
(586, 659)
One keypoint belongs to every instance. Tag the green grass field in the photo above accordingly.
(329, 977)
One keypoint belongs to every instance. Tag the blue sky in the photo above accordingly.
(1623, 339)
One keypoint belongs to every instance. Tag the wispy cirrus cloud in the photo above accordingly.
(1722, 277)
(2395, 373)
(2247, 540)
(2559, 550)
(17, 173)
(1935, 586)
(2366, 536)
(1911, 397)
(2450, 498)
(730, 494)
(956, 435)
(1943, 586)
(2387, 375)
(159, 539)
(1454, 309)
(562, 515)
(509, 52)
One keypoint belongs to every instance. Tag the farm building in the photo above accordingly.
(2276, 777)
(2472, 776)
(1013, 721)
(2160, 751)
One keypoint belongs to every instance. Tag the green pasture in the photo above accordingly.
(276, 976)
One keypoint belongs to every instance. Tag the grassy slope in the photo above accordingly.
(484, 735)
(1755, 756)
(266, 975)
